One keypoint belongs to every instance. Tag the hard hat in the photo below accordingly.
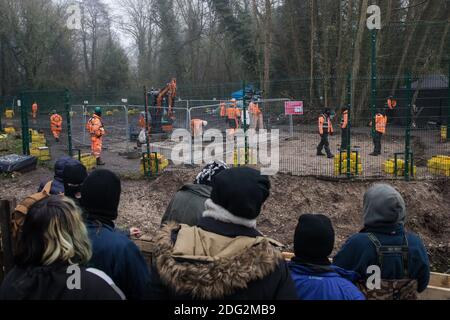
(233, 100)
(98, 110)
(53, 111)
(205, 123)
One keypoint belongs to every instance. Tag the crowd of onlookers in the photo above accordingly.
(208, 246)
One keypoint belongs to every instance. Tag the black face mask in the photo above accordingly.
(72, 191)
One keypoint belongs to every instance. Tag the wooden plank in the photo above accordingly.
(6, 207)
(440, 280)
(435, 293)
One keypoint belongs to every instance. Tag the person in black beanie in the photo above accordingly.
(113, 252)
(74, 175)
(314, 275)
(224, 256)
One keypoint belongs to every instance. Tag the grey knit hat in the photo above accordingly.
(383, 205)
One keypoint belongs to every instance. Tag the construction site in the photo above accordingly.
(328, 139)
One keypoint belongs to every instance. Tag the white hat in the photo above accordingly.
(205, 123)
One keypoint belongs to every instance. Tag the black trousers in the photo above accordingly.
(377, 142)
(344, 138)
(324, 143)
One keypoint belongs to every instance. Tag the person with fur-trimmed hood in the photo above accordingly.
(224, 256)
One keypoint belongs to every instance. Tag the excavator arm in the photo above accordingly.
(170, 90)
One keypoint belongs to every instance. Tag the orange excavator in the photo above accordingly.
(162, 108)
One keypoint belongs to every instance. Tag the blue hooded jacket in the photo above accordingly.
(58, 183)
(358, 253)
(324, 283)
(119, 258)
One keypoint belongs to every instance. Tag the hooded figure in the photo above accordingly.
(188, 204)
(224, 256)
(58, 180)
(384, 242)
(112, 251)
(314, 275)
(73, 176)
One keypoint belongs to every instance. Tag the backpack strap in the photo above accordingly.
(391, 249)
(48, 187)
(378, 246)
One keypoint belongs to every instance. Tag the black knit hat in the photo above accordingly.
(100, 194)
(241, 191)
(314, 239)
(74, 175)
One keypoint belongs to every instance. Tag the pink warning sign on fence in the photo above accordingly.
(293, 108)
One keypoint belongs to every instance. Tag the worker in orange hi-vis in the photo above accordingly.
(325, 130)
(223, 109)
(392, 103)
(256, 116)
(97, 131)
(34, 109)
(380, 129)
(197, 126)
(233, 117)
(56, 122)
(142, 121)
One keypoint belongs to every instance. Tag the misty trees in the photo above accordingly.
(301, 49)
(34, 41)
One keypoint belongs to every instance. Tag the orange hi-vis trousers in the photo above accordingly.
(96, 146)
(56, 132)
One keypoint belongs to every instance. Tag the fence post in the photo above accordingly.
(69, 122)
(408, 127)
(373, 99)
(448, 104)
(188, 116)
(1, 111)
(127, 125)
(147, 135)
(6, 207)
(349, 112)
(244, 110)
(24, 122)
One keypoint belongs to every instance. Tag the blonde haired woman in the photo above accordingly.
(51, 257)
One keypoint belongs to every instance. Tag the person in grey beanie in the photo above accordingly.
(385, 243)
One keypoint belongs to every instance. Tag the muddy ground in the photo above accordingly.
(143, 203)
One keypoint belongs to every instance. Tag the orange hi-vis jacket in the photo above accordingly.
(392, 103)
(223, 109)
(344, 122)
(95, 126)
(197, 127)
(325, 125)
(253, 108)
(380, 123)
(56, 122)
(233, 113)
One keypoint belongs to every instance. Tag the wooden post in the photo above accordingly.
(6, 263)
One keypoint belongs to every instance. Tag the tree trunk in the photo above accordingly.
(357, 49)
(267, 47)
(405, 52)
(311, 54)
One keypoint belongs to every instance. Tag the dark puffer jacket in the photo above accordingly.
(188, 204)
(58, 182)
(218, 260)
